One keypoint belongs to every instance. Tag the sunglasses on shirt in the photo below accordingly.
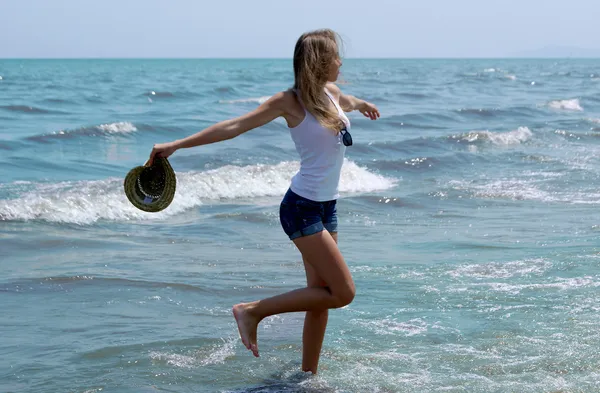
(346, 137)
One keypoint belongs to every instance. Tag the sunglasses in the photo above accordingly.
(346, 137)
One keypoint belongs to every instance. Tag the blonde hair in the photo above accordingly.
(313, 55)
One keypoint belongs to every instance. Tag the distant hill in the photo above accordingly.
(559, 52)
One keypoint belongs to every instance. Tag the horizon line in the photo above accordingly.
(290, 58)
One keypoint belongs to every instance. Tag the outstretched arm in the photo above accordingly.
(350, 103)
(227, 129)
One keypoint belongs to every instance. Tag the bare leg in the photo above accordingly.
(315, 323)
(321, 251)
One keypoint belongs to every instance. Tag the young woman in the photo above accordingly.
(314, 112)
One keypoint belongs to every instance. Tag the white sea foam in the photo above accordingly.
(122, 127)
(115, 128)
(526, 188)
(388, 326)
(520, 135)
(502, 270)
(562, 284)
(85, 202)
(517, 189)
(216, 355)
(173, 359)
(567, 105)
(257, 100)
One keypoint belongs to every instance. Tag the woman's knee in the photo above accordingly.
(316, 282)
(345, 295)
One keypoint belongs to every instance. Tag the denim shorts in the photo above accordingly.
(302, 217)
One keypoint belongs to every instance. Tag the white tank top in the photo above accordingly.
(321, 157)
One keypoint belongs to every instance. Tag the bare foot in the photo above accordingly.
(247, 324)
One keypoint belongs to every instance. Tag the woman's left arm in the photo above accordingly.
(350, 103)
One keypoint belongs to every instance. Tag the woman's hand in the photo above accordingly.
(369, 110)
(161, 150)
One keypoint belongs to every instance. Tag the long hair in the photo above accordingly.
(313, 55)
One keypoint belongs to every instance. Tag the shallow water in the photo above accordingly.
(468, 219)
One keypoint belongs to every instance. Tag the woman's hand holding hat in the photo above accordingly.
(163, 150)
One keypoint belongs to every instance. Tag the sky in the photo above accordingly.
(269, 28)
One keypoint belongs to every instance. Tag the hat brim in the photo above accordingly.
(141, 200)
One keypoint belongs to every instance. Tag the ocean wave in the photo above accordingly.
(487, 113)
(510, 269)
(578, 135)
(215, 355)
(567, 105)
(117, 128)
(122, 127)
(224, 89)
(64, 282)
(389, 326)
(488, 75)
(412, 164)
(58, 101)
(410, 95)
(562, 284)
(530, 187)
(153, 94)
(29, 109)
(516, 189)
(256, 100)
(429, 120)
(436, 145)
(86, 202)
(596, 123)
(518, 136)
(482, 112)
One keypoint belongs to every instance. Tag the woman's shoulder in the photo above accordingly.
(333, 89)
(284, 97)
(286, 100)
(286, 103)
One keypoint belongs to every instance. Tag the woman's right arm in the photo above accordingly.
(228, 129)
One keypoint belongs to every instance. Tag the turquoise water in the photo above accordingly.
(469, 219)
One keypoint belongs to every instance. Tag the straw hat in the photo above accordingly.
(151, 188)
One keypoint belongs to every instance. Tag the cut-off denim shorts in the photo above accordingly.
(300, 216)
